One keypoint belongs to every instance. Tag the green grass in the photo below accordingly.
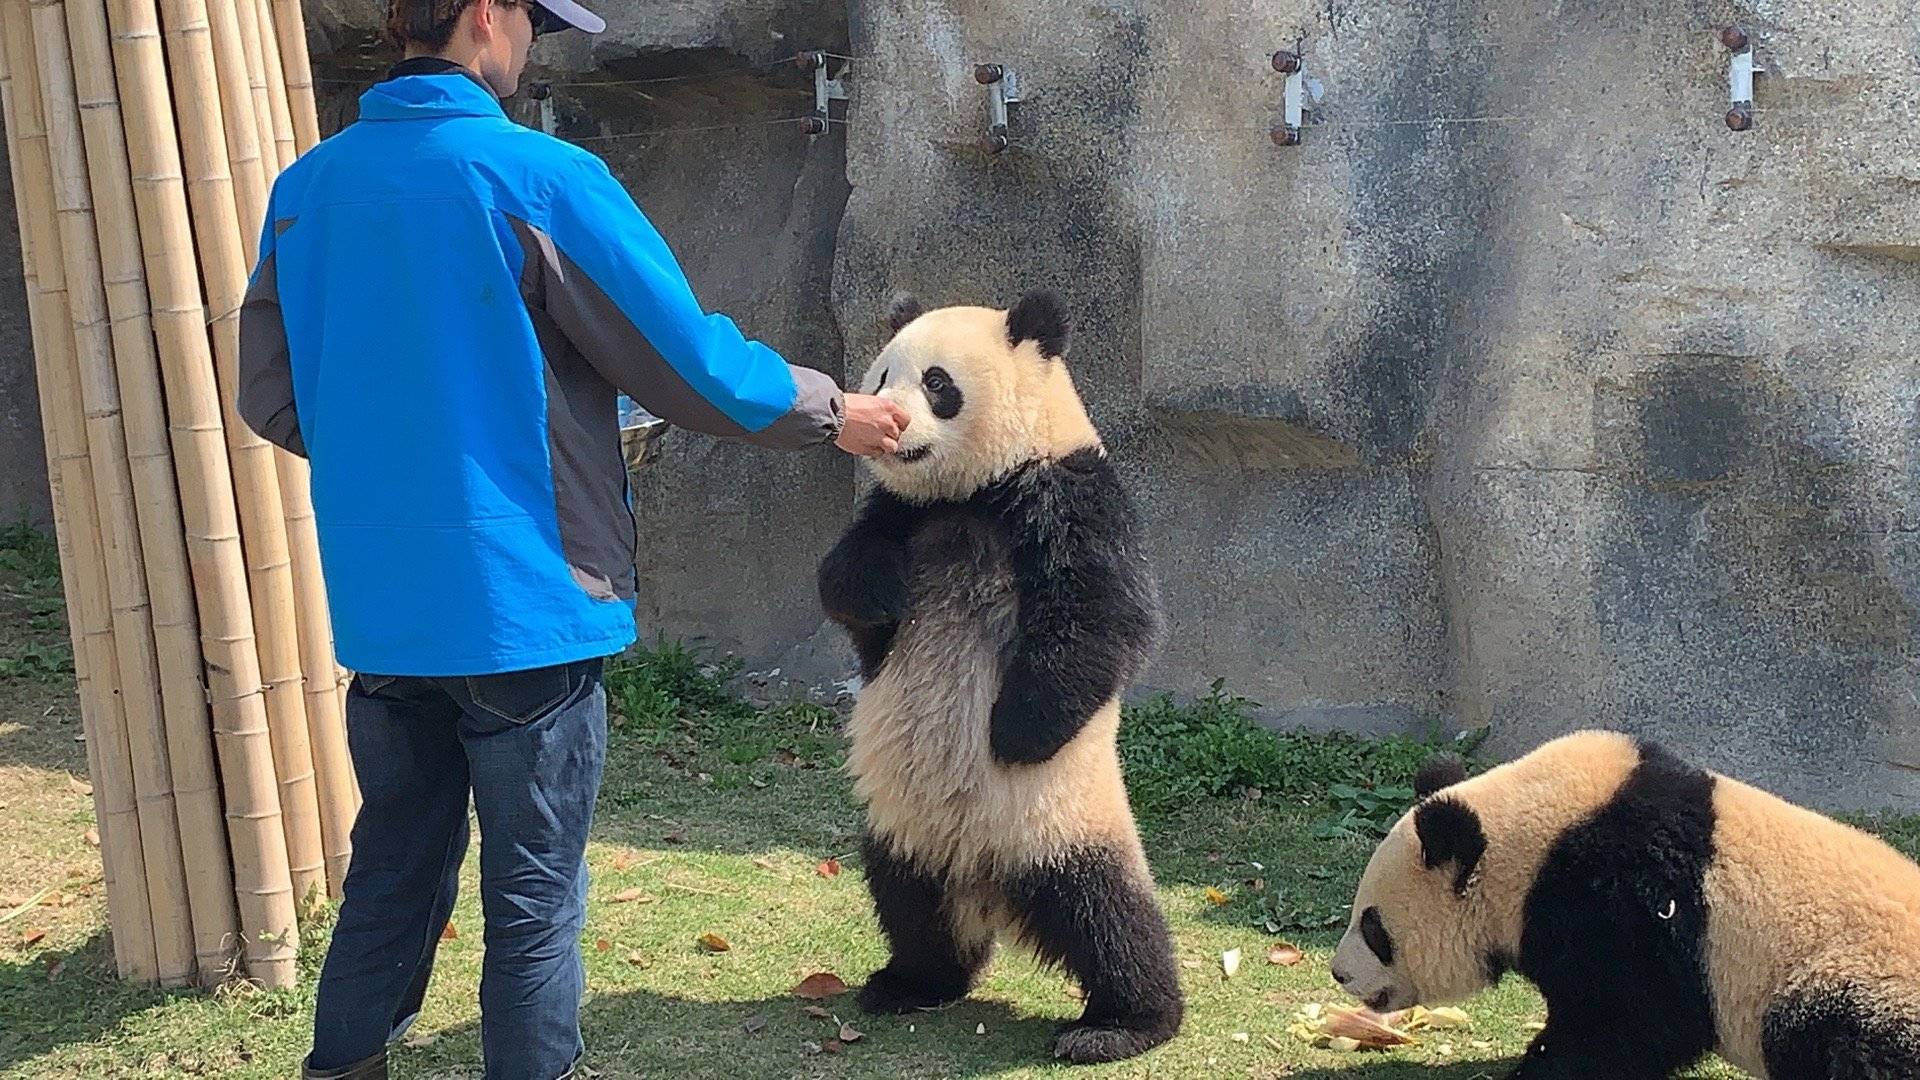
(715, 818)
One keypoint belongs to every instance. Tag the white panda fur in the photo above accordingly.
(993, 588)
(1663, 911)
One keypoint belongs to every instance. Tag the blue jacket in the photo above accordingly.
(446, 306)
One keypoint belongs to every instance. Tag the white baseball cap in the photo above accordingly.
(572, 14)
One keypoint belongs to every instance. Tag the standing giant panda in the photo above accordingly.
(1662, 910)
(994, 591)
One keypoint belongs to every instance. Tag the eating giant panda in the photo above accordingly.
(996, 595)
(1662, 910)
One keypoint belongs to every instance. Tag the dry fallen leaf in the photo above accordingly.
(677, 836)
(1230, 962)
(831, 1046)
(754, 1024)
(1285, 955)
(848, 1034)
(1215, 896)
(55, 967)
(764, 864)
(448, 933)
(818, 1013)
(636, 959)
(714, 942)
(624, 859)
(819, 986)
(829, 868)
(34, 936)
(420, 1039)
(981, 1030)
(602, 945)
(1240, 1037)
(632, 896)
(92, 836)
(79, 786)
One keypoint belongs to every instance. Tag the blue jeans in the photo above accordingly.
(529, 747)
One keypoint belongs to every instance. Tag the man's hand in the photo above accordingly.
(873, 426)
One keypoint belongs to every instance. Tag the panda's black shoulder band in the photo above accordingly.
(1088, 609)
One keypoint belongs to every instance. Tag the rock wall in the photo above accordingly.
(1521, 392)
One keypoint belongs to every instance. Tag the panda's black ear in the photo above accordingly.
(1450, 834)
(1443, 769)
(1040, 317)
(905, 308)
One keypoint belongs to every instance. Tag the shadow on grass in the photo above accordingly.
(1411, 1070)
(66, 998)
(642, 1033)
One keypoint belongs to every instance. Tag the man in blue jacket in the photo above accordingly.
(446, 307)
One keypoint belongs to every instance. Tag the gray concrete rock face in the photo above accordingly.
(1521, 392)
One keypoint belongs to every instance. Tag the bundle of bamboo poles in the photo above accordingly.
(143, 138)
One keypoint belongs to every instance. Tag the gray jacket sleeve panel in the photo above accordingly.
(265, 396)
(622, 354)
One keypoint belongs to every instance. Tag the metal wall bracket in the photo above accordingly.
(542, 92)
(1739, 78)
(825, 91)
(1003, 89)
(1287, 62)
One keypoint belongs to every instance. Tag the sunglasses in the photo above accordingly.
(544, 21)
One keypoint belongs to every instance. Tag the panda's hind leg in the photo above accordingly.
(932, 962)
(1839, 1034)
(1091, 911)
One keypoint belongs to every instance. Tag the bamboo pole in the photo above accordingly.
(338, 785)
(129, 914)
(277, 106)
(262, 878)
(248, 13)
(298, 69)
(132, 612)
(256, 484)
(189, 741)
(63, 542)
(326, 728)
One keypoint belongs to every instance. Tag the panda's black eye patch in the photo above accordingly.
(1374, 933)
(943, 397)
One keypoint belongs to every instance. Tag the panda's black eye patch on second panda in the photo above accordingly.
(1374, 933)
(943, 397)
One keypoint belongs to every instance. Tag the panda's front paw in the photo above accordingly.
(867, 593)
(1083, 1043)
(890, 992)
(1017, 733)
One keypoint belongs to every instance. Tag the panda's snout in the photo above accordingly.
(1341, 976)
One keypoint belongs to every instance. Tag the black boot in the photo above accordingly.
(373, 1068)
